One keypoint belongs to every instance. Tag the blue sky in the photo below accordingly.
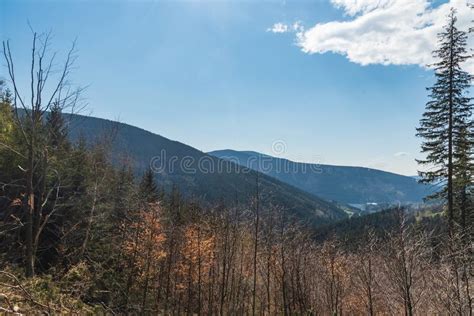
(213, 74)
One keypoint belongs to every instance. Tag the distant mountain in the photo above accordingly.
(198, 175)
(351, 185)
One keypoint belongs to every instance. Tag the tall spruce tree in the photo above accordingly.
(57, 129)
(446, 124)
(125, 193)
(148, 188)
(463, 172)
(6, 117)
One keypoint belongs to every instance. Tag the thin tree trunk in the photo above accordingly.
(283, 272)
(450, 145)
(467, 287)
(190, 283)
(30, 208)
(30, 211)
(254, 292)
(199, 271)
(131, 263)
(89, 222)
(268, 277)
(224, 265)
(369, 288)
(148, 264)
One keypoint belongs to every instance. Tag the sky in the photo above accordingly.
(323, 81)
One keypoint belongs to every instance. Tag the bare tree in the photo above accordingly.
(405, 261)
(30, 110)
(457, 263)
(364, 274)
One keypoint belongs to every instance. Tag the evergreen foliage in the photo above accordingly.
(447, 126)
(148, 189)
(80, 234)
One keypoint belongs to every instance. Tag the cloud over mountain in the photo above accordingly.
(387, 32)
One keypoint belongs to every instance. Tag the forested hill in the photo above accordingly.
(196, 174)
(337, 183)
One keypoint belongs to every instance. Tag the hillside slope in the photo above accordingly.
(198, 175)
(337, 183)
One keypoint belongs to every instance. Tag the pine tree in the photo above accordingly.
(124, 197)
(148, 188)
(6, 116)
(463, 168)
(175, 205)
(447, 113)
(79, 167)
(57, 128)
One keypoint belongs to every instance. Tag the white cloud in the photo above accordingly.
(279, 28)
(353, 7)
(297, 27)
(285, 28)
(401, 154)
(387, 32)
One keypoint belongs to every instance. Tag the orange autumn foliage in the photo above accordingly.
(145, 239)
(197, 254)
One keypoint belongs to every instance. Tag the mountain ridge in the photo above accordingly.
(234, 185)
(229, 150)
(345, 184)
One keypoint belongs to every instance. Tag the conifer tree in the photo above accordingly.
(33, 105)
(463, 168)
(6, 125)
(124, 197)
(80, 166)
(148, 188)
(56, 127)
(6, 113)
(174, 205)
(447, 113)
